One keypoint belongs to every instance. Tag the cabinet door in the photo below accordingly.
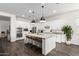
(58, 38)
(63, 38)
(48, 44)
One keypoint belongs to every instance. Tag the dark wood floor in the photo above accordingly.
(3, 46)
(18, 48)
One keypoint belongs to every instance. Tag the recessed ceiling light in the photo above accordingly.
(23, 15)
(54, 11)
(30, 11)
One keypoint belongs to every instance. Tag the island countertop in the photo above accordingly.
(40, 35)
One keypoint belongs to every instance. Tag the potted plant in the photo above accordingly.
(68, 32)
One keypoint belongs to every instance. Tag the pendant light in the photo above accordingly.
(33, 21)
(42, 18)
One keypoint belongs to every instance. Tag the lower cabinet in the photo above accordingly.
(60, 38)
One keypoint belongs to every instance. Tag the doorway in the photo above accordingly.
(4, 34)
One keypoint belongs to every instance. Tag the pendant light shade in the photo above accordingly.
(42, 18)
(33, 21)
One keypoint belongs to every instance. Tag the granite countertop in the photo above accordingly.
(45, 34)
(54, 32)
(40, 35)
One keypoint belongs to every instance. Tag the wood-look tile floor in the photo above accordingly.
(18, 48)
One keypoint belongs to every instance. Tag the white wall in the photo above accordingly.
(13, 28)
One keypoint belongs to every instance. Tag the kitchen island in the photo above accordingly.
(44, 41)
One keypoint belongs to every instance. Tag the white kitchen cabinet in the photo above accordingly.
(48, 44)
(60, 38)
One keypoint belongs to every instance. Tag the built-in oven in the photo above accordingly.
(19, 32)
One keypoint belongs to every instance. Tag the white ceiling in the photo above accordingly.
(20, 9)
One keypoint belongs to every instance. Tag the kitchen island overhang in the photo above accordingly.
(44, 41)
